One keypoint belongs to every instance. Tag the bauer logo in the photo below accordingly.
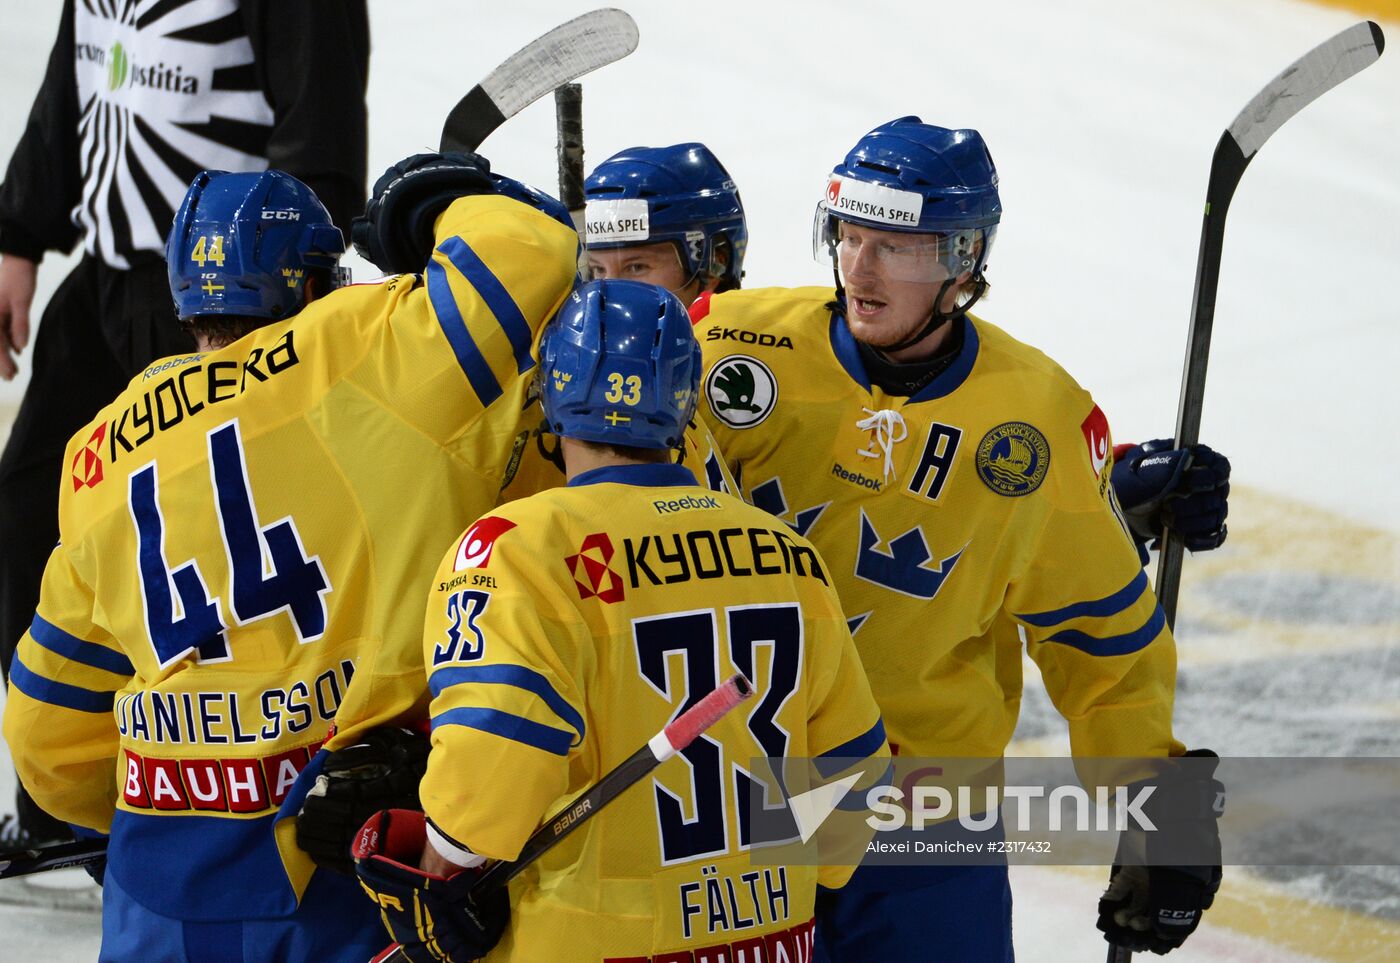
(475, 549)
(616, 221)
(873, 202)
(742, 391)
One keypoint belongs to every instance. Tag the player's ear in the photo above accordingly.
(719, 266)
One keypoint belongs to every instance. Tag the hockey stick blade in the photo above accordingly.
(27, 861)
(679, 733)
(566, 53)
(1305, 80)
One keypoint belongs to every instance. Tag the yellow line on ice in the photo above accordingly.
(1265, 911)
(1371, 9)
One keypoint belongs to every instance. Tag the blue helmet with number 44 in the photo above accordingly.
(245, 245)
(620, 365)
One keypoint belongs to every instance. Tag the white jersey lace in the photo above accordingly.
(889, 430)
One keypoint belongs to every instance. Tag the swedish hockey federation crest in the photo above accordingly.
(1013, 458)
(742, 391)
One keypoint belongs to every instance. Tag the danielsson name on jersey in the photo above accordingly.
(240, 531)
(567, 628)
(956, 522)
(164, 90)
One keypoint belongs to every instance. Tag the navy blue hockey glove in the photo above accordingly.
(381, 771)
(1150, 905)
(1186, 490)
(396, 231)
(431, 917)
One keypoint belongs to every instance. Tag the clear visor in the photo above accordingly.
(896, 255)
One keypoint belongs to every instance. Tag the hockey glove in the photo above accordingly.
(396, 231)
(1151, 906)
(1186, 490)
(381, 771)
(431, 917)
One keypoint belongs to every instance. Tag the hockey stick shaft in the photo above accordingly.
(562, 55)
(568, 114)
(24, 862)
(679, 733)
(1306, 79)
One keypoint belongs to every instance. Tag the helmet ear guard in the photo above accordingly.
(620, 365)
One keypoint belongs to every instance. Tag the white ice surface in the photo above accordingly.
(1102, 116)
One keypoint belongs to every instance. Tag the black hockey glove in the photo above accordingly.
(1152, 906)
(396, 231)
(1186, 490)
(431, 917)
(381, 771)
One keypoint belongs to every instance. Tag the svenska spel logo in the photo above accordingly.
(475, 548)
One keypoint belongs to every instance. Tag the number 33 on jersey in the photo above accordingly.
(562, 630)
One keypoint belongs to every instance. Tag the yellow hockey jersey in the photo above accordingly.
(537, 464)
(957, 523)
(245, 530)
(566, 629)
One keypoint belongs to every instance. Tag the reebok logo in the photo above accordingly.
(856, 478)
(686, 504)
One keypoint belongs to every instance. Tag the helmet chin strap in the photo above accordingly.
(936, 318)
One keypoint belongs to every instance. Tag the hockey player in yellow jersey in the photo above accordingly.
(565, 627)
(957, 481)
(664, 215)
(241, 528)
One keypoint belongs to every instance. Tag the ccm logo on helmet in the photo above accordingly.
(281, 215)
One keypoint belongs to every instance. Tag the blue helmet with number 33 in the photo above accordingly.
(245, 244)
(620, 365)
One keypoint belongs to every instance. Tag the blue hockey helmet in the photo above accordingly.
(681, 194)
(243, 244)
(620, 365)
(916, 178)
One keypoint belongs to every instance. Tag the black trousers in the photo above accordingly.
(101, 327)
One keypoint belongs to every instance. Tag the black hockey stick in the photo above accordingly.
(1306, 79)
(23, 862)
(679, 733)
(568, 114)
(565, 54)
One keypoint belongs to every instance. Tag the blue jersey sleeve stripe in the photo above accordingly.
(1117, 644)
(867, 743)
(59, 694)
(507, 726)
(513, 675)
(1099, 608)
(497, 298)
(469, 356)
(71, 647)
